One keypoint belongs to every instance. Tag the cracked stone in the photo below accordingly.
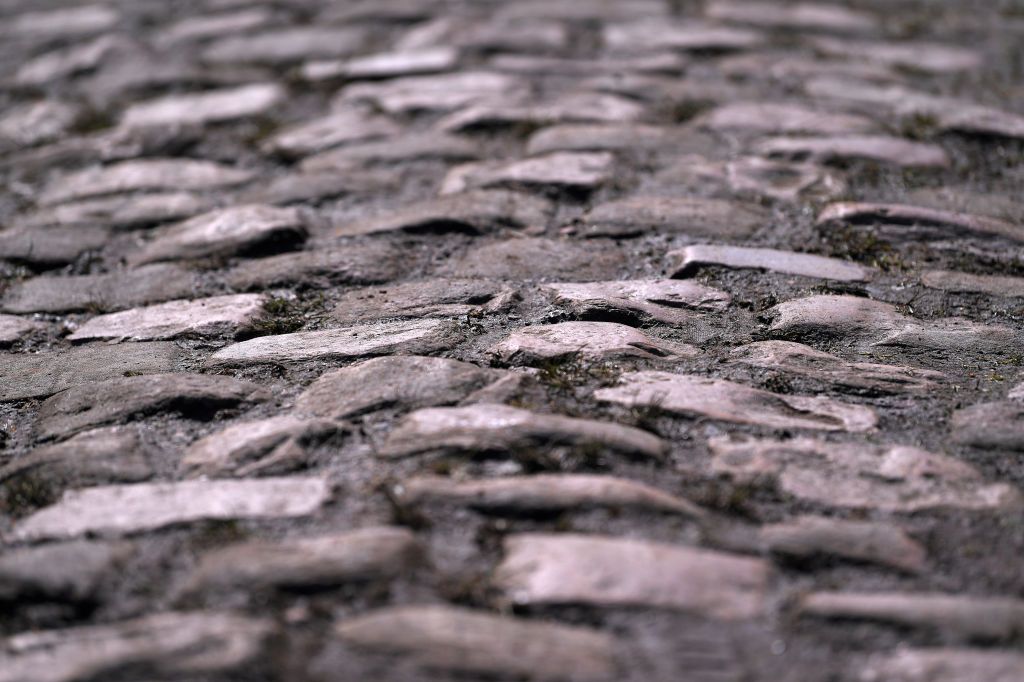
(699, 217)
(214, 106)
(142, 507)
(255, 448)
(86, 405)
(226, 232)
(993, 285)
(569, 170)
(722, 400)
(661, 300)
(38, 375)
(943, 665)
(780, 118)
(856, 476)
(906, 222)
(68, 571)
(452, 638)
(406, 382)
(543, 493)
(499, 428)
(425, 298)
(583, 341)
(687, 260)
(877, 148)
(553, 569)
(170, 643)
(52, 246)
(216, 316)
(409, 337)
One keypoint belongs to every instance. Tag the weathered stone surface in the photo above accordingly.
(661, 300)
(991, 426)
(411, 62)
(108, 455)
(876, 148)
(965, 617)
(63, 22)
(205, 27)
(417, 336)
(583, 341)
(119, 211)
(475, 642)
(68, 571)
(858, 476)
(333, 130)
(141, 507)
(401, 149)
(784, 65)
(698, 217)
(359, 263)
(598, 570)
(690, 35)
(255, 448)
(35, 123)
(14, 328)
(879, 543)
(113, 291)
(53, 246)
(318, 187)
(664, 61)
(377, 553)
(993, 285)
(69, 61)
(216, 316)
(442, 92)
(489, 427)
(397, 381)
(580, 137)
(582, 107)
(285, 45)
(921, 56)
(917, 222)
(780, 118)
(478, 211)
(605, 10)
(217, 106)
(801, 15)
(143, 174)
(943, 665)
(171, 643)
(728, 401)
(542, 493)
(38, 375)
(799, 360)
(226, 232)
(538, 258)
(753, 177)
(425, 298)
(579, 171)
(86, 405)
(686, 261)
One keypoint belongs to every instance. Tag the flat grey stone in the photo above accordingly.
(932, 58)
(14, 328)
(442, 92)
(782, 118)
(679, 35)
(538, 258)
(68, 61)
(30, 124)
(579, 171)
(787, 357)
(965, 282)
(581, 107)
(143, 174)
(917, 222)
(411, 62)
(943, 665)
(693, 216)
(581, 137)
(142, 507)
(67, 571)
(490, 427)
(215, 106)
(62, 22)
(801, 15)
(878, 543)
(990, 426)
(552, 569)
(752, 177)
(255, 448)
(86, 405)
(402, 149)
(226, 232)
(477, 211)
(119, 211)
(858, 476)
(662, 300)
(475, 642)
(368, 554)
(215, 316)
(208, 26)
(395, 381)
(604, 10)
(359, 263)
(691, 258)
(108, 455)
(410, 337)
(542, 493)
(439, 297)
(36, 375)
(786, 66)
(333, 130)
(112, 291)
(583, 341)
(876, 148)
(285, 45)
(170, 643)
(51, 246)
(722, 400)
(665, 61)
(960, 617)
(316, 187)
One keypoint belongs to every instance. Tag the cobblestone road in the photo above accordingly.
(635, 340)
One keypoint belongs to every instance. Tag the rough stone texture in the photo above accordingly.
(944, 665)
(583, 341)
(581, 171)
(991, 426)
(538, 258)
(217, 316)
(921, 221)
(424, 298)
(208, 107)
(355, 264)
(763, 117)
(876, 148)
(692, 258)
(982, 284)
(14, 328)
(699, 217)
(663, 300)
(808, 536)
(67, 571)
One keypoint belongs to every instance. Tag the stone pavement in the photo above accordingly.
(579, 340)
